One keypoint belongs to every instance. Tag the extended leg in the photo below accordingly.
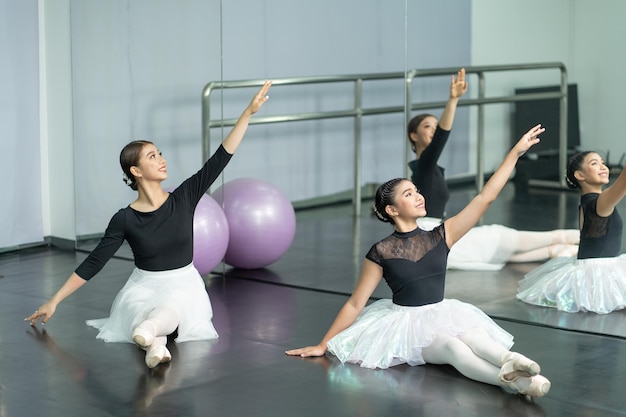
(484, 346)
(160, 322)
(527, 241)
(548, 252)
(453, 351)
(481, 362)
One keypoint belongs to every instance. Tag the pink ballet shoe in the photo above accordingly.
(156, 355)
(538, 386)
(514, 363)
(142, 337)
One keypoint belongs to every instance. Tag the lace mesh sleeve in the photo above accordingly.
(374, 256)
(412, 248)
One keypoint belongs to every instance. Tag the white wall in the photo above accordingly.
(597, 64)
(138, 69)
(584, 35)
(21, 205)
(57, 139)
(133, 73)
(517, 33)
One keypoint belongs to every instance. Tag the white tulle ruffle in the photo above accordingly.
(386, 334)
(573, 285)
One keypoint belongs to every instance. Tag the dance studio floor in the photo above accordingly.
(60, 369)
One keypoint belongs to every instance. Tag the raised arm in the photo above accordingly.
(458, 87)
(371, 275)
(611, 196)
(232, 141)
(467, 218)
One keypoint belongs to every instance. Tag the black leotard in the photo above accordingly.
(161, 239)
(414, 265)
(600, 237)
(428, 177)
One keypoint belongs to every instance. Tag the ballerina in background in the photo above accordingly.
(487, 247)
(595, 279)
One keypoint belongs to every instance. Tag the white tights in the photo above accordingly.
(160, 322)
(538, 246)
(475, 355)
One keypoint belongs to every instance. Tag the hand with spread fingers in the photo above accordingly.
(44, 313)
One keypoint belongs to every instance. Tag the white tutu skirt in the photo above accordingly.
(180, 289)
(386, 334)
(482, 248)
(572, 285)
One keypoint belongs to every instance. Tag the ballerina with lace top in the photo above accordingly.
(595, 279)
(418, 325)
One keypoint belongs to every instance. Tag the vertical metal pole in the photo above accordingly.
(206, 118)
(358, 97)
(480, 159)
(563, 129)
(407, 118)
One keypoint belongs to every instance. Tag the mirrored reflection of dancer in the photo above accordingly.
(419, 325)
(165, 292)
(484, 247)
(595, 279)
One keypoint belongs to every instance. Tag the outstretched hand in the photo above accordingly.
(45, 312)
(458, 86)
(260, 98)
(529, 139)
(308, 351)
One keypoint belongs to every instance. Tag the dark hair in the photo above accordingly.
(413, 124)
(129, 156)
(575, 163)
(385, 195)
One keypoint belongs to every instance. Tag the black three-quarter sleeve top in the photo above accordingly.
(600, 237)
(428, 177)
(161, 239)
(414, 265)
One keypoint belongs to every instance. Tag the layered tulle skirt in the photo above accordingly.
(182, 290)
(386, 334)
(572, 285)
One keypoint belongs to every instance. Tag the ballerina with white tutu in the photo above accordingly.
(418, 325)
(595, 279)
(165, 292)
(487, 247)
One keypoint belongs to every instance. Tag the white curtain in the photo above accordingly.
(20, 159)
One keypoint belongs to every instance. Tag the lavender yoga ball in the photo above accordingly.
(261, 222)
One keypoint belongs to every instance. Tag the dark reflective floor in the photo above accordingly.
(60, 369)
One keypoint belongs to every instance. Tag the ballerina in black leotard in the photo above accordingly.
(595, 280)
(484, 247)
(419, 325)
(165, 292)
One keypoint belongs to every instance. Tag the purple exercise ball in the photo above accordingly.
(210, 234)
(261, 222)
